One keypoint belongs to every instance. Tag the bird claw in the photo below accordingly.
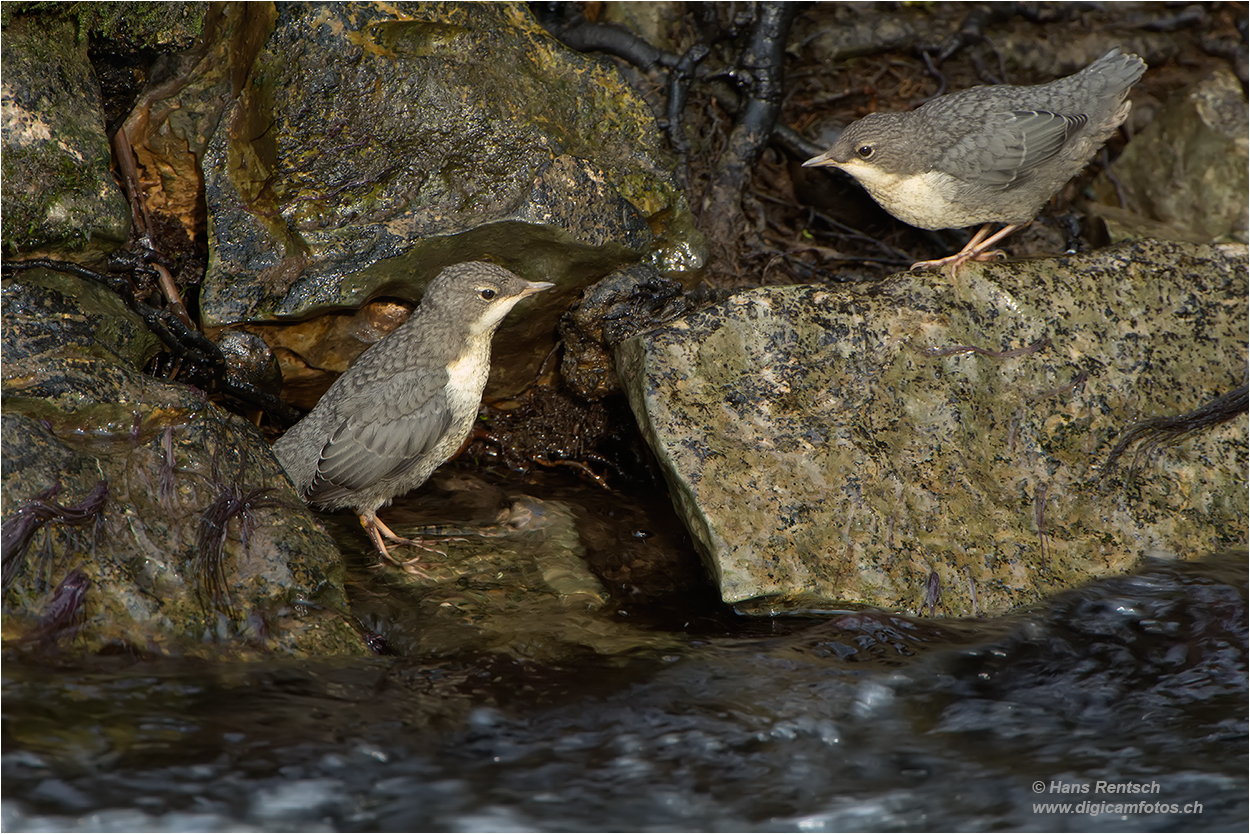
(379, 534)
(951, 263)
(978, 249)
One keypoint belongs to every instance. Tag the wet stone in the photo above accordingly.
(630, 300)
(58, 190)
(510, 577)
(851, 444)
(171, 121)
(196, 542)
(402, 139)
(516, 584)
(1184, 176)
(46, 311)
(249, 359)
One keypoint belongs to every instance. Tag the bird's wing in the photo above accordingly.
(1010, 147)
(383, 433)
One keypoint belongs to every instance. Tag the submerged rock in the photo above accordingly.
(922, 442)
(174, 516)
(1185, 176)
(512, 579)
(57, 187)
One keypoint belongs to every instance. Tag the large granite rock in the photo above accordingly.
(199, 544)
(1185, 176)
(57, 188)
(841, 444)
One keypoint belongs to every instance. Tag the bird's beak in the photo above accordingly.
(532, 287)
(819, 161)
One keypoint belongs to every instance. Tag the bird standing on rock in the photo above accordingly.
(988, 154)
(407, 403)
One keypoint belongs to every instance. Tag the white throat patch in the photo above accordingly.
(921, 200)
(492, 316)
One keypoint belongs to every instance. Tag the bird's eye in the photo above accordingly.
(487, 293)
(864, 151)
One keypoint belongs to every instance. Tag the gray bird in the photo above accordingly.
(407, 403)
(988, 154)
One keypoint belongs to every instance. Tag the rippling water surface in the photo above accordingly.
(660, 711)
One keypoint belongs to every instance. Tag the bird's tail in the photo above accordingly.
(1118, 69)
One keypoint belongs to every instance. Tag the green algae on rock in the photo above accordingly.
(374, 144)
(57, 187)
(849, 443)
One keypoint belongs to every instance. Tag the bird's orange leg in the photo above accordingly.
(975, 250)
(377, 531)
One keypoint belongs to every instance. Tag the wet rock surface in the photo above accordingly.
(172, 118)
(48, 311)
(57, 187)
(512, 579)
(627, 302)
(585, 171)
(197, 545)
(406, 138)
(249, 359)
(1184, 176)
(854, 444)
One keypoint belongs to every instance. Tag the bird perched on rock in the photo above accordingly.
(988, 154)
(407, 403)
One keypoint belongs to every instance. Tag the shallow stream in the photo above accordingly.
(627, 698)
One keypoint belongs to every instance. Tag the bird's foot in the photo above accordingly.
(978, 249)
(952, 263)
(379, 534)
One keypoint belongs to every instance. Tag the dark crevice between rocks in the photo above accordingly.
(189, 355)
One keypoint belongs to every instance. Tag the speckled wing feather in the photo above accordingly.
(1007, 154)
(382, 435)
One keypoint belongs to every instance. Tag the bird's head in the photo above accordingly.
(480, 293)
(876, 144)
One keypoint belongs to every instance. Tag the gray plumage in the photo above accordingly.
(987, 154)
(407, 403)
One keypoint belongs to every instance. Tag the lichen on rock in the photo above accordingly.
(850, 443)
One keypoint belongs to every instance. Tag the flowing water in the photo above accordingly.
(615, 693)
